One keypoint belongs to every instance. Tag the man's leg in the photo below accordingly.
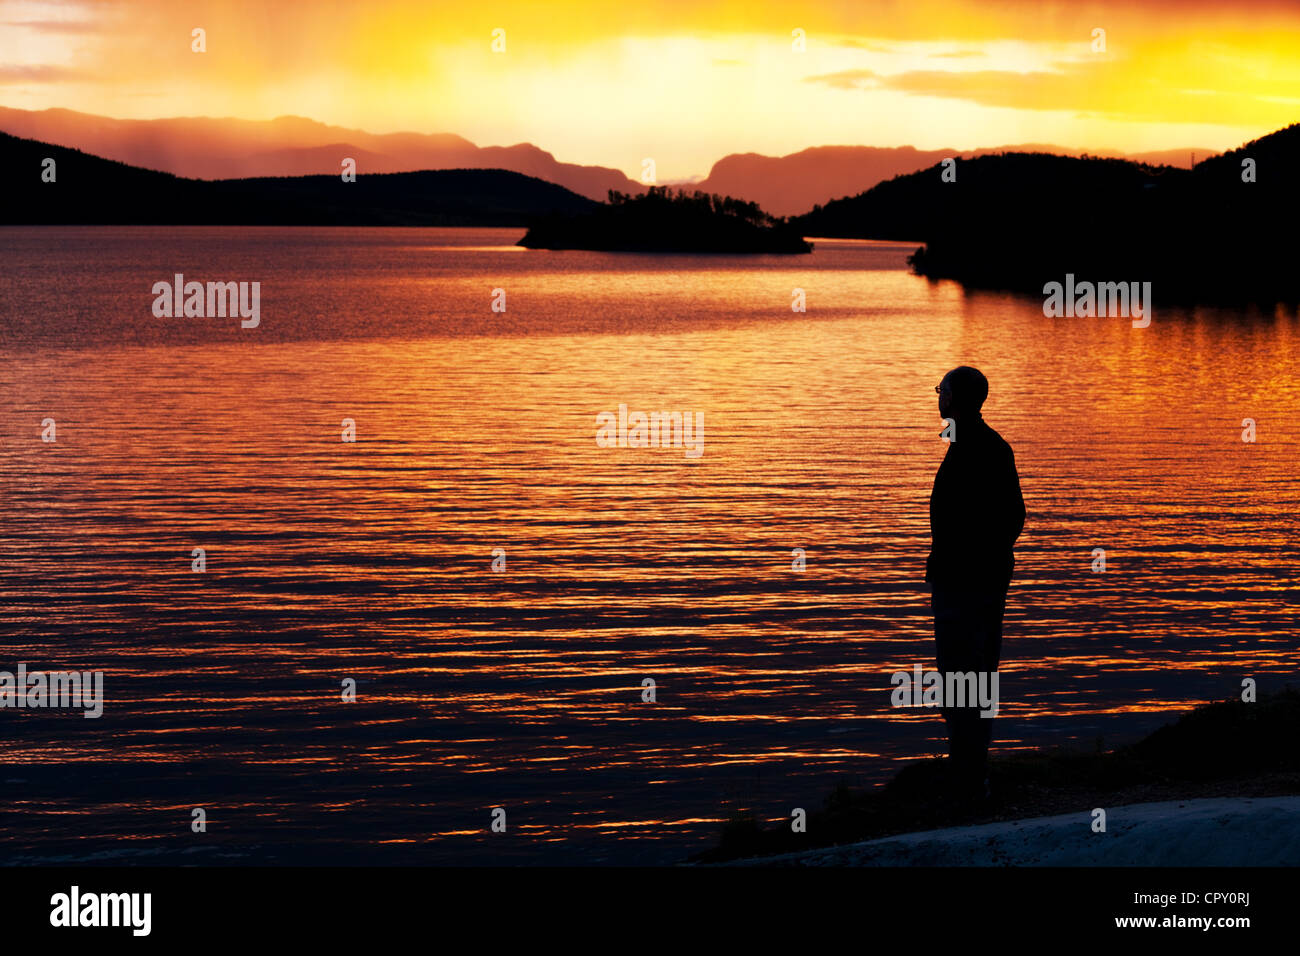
(955, 650)
(992, 606)
(968, 639)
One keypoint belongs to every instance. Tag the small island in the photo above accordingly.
(662, 221)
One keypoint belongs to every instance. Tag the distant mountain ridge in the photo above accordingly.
(211, 148)
(225, 148)
(90, 190)
(794, 184)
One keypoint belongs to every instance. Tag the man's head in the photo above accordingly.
(962, 392)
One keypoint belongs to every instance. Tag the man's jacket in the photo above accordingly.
(976, 511)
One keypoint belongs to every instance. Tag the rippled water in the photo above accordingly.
(476, 429)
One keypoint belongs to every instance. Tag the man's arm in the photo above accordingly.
(1015, 501)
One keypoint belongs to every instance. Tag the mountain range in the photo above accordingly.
(90, 190)
(793, 184)
(1216, 232)
(223, 148)
(209, 148)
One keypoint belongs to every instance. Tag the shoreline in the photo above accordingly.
(1223, 751)
(1248, 831)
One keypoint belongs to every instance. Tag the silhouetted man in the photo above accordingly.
(976, 515)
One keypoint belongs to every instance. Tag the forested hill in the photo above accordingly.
(90, 190)
(1220, 232)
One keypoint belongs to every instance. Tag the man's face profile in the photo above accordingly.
(944, 388)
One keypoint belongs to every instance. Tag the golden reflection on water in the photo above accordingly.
(371, 561)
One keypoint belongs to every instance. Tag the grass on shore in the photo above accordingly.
(1224, 749)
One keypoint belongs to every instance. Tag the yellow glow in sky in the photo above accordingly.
(684, 83)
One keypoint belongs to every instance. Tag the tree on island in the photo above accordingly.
(709, 204)
(663, 220)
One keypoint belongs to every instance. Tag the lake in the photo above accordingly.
(522, 688)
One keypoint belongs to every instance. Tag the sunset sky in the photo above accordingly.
(681, 81)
